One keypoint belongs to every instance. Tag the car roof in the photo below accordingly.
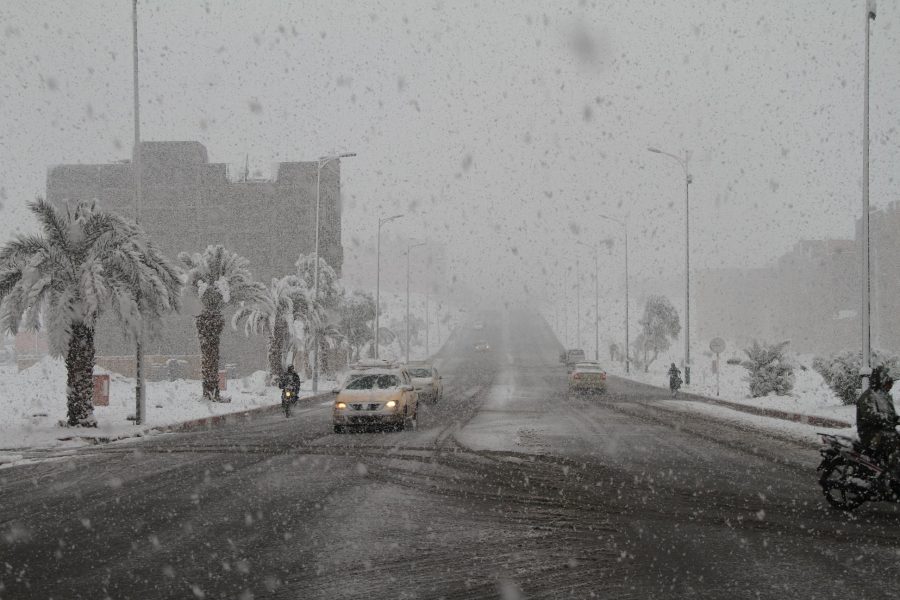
(587, 365)
(360, 372)
(374, 363)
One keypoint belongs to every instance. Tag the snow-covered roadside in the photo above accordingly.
(811, 395)
(33, 402)
(807, 434)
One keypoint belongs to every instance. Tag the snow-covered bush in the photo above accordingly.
(770, 370)
(841, 371)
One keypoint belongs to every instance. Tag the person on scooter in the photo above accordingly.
(674, 378)
(289, 379)
(876, 420)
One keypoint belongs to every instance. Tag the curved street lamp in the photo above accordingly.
(596, 251)
(866, 364)
(624, 224)
(320, 164)
(688, 179)
(409, 247)
(381, 222)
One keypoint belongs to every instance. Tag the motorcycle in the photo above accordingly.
(849, 475)
(674, 384)
(288, 399)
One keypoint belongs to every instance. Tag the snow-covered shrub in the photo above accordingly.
(734, 360)
(770, 370)
(841, 371)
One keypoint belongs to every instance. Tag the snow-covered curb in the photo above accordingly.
(193, 424)
(812, 402)
(86, 437)
(33, 402)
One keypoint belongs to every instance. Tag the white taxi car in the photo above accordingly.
(376, 396)
(427, 380)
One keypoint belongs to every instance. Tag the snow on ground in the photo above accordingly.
(800, 431)
(33, 402)
(811, 395)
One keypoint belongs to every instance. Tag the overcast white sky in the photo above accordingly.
(502, 128)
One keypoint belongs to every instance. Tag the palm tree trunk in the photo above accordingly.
(209, 330)
(276, 348)
(80, 376)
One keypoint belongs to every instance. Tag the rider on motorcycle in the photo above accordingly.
(876, 420)
(289, 379)
(674, 378)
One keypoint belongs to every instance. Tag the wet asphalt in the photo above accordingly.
(509, 488)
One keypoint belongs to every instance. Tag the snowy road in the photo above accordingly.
(510, 488)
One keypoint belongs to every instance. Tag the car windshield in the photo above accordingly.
(374, 382)
(677, 220)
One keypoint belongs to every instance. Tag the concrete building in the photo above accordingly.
(190, 203)
(810, 297)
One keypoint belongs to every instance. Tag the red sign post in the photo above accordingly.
(101, 390)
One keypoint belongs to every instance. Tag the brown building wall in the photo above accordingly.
(811, 297)
(189, 203)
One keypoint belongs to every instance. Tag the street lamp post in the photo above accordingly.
(624, 225)
(577, 305)
(140, 396)
(381, 222)
(688, 179)
(865, 369)
(596, 251)
(566, 310)
(409, 247)
(323, 160)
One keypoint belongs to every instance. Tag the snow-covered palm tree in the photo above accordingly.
(85, 261)
(330, 338)
(329, 284)
(220, 279)
(285, 301)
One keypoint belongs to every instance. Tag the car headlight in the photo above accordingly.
(341, 405)
(391, 404)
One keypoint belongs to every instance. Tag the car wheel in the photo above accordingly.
(339, 429)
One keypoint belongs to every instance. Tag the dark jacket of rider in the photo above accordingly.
(289, 379)
(674, 373)
(876, 419)
(875, 413)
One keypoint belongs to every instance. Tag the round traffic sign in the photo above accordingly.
(717, 345)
